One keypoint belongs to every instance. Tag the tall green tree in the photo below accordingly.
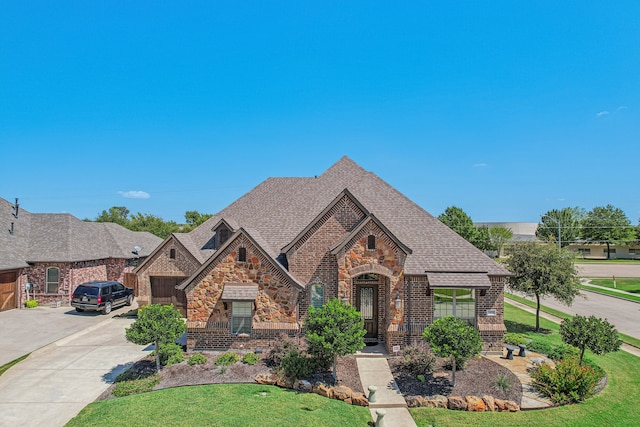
(458, 220)
(541, 270)
(608, 224)
(566, 221)
(153, 224)
(116, 214)
(483, 239)
(194, 219)
(499, 236)
(593, 333)
(335, 329)
(156, 324)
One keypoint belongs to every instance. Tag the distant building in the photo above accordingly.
(46, 256)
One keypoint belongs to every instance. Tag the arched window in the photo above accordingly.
(371, 242)
(242, 255)
(317, 295)
(172, 253)
(53, 280)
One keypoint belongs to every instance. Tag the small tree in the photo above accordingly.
(593, 333)
(450, 336)
(458, 220)
(499, 236)
(540, 270)
(335, 329)
(157, 324)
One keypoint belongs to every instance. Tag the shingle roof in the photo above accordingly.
(240, 292)
(65, 238)
(458, 280)
(280, 208)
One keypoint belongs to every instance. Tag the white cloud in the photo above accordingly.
(602, 113)
(134, 194)
(480, 165)
(622, 107)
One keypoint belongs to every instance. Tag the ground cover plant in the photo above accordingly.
(617, 404)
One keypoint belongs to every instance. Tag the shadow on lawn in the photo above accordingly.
(522, 328)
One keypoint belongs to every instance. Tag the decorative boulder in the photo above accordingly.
(437, 401)
(457, 403)
(475, 404)
(489, 402)
(285, 382)
(342, 392)
(359, 399)
(322, 390)
(512, 406)
(302, 385)
(415, 401)
(267, 379)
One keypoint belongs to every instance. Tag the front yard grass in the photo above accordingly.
(618, 404)
(227, 405)
(628, 284)
(610, 293)
(6, 366)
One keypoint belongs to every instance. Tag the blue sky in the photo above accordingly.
(506, 109)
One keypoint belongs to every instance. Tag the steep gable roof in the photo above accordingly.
(65, 238)
(281, 208)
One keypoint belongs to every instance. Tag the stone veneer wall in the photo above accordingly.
(276, 301)
(184, 265)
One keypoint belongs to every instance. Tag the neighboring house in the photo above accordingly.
(522, 232)
(598, 250)
(46, 256)
(249, 273)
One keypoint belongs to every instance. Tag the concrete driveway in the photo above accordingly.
(56, 381)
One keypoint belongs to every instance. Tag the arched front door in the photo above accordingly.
(367, 303)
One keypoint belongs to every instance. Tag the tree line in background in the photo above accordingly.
(603, 224)
(151, 223)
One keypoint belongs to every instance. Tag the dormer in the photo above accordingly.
(223, 230)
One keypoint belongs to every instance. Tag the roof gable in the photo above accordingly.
(370, 219)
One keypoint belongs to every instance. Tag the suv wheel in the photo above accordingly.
(78, 309)
(107, 308)
(129, 299)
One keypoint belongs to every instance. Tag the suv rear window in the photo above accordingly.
(89, 290)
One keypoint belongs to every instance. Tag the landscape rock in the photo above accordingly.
(489, 402)
(475, 404)
(437, 401)
(322, 390)
(415, 401)
(267, 379)
(359, 399)
(342, 392)
(285, 382)
(457, 403)
(512, 406)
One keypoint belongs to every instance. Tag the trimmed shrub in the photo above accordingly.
(170, 354)
(451, 336)
(296, 365)
(418, 360)
(250, 358)
(32, 303)
(226, 359)
(281, 348)
(568, 382)
(541, 347)
(140, 385)
(513, 338)
(197, 359)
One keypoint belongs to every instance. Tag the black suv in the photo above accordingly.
(101, 296)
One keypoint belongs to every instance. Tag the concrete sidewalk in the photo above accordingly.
(375, 371)
(55, 382)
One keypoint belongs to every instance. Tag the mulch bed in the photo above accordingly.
(478, 378)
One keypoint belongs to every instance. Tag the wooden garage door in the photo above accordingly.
(163, 291)
(8, 295)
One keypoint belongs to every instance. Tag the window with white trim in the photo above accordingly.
(317, 295)
(459, 302)
(53, 280)
(241, 317)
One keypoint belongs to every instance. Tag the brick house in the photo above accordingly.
(250, 272)
(54, 253)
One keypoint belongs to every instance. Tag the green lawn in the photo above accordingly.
(610, 293)
(227, 405)
(605, 261)
(628, 284)
(6, 366)
(618, 404)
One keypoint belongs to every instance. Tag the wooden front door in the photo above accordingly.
(367, 305)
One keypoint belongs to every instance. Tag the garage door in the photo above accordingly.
(163, 291)
(8, 297)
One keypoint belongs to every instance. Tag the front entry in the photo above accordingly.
(367, 305)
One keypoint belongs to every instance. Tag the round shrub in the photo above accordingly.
(568, 382)
(197, 359)
(296, 365)
(451, 336)
(418, 360)
(32, 303)
(281, 348)
(513, 338)
(170, 354)
(250, 358)
(226, 359)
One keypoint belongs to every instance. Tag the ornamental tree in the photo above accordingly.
(453, 337)
(335, 329)
(593, 333)
(458, 220)
(608, 224)
(541, 270)
(156, 324)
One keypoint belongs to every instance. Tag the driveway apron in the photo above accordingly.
(56, 381)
